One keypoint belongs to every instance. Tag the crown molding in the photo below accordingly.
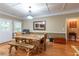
(10, 15)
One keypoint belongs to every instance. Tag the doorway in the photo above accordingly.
(72, 29)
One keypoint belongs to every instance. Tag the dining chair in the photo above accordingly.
(18, 33)
(45, 37)
(41, 45)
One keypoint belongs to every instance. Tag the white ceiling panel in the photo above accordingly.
(72, 6)
(8, 9)
(56, 7)
(36, 9)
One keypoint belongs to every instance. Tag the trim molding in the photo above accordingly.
(8, 14)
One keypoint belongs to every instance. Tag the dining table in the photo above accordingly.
(35, 38)
(31, 36)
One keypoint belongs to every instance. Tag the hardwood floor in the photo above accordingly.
(53, 49)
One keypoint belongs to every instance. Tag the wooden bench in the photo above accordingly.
(27, 47)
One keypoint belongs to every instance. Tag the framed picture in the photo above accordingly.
(73, 24)
(39, 25)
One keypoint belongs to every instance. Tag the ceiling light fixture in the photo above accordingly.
(30, 16)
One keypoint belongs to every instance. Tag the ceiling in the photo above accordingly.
(38, 9)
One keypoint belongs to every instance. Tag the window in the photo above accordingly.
(17, 26)
(5, 25)
(5, 30)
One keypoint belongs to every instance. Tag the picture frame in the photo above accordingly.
(73, 24)
(39, 25)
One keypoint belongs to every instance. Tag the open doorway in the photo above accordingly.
(73, 29)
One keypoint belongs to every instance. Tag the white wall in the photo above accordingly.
(53, 24)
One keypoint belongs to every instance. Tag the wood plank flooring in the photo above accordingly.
(53, 49)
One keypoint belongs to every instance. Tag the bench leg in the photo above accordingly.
(45, 47)
(10, 50)
(16, 47)
(75, 54)
(28, 52)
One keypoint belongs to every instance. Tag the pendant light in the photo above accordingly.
(30, 16)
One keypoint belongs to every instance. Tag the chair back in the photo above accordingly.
(18, 33)
(45, 36)
(20, 40)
